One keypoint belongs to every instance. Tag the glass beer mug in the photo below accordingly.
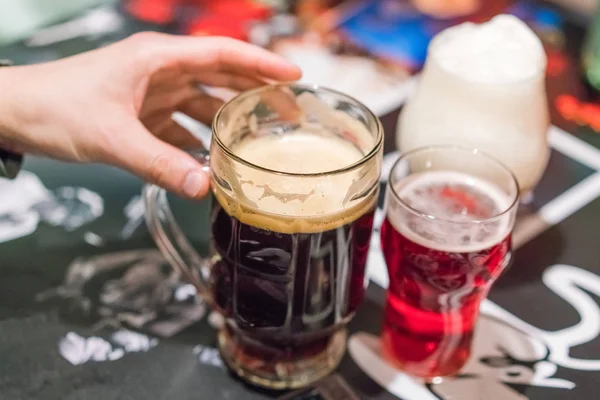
(483, 86)
(294, 180)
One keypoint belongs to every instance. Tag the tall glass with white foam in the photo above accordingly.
(295, 181)
(483, 87)
(446, 238)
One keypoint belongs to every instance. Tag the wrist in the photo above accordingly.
(8, 125)
(13, 106)
(10, 158)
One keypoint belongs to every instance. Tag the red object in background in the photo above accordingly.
(228, 18)
(579, 112)
(214, 17)
(218, 26)
(156, 11)
(557, 62)
(245, 9)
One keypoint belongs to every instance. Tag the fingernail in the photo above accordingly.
(194, 183)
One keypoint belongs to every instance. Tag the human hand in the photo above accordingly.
(114, 105)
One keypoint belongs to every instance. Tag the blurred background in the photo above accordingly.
(367, 48)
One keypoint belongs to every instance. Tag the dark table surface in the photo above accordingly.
(537, 338)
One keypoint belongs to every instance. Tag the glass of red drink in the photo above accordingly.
(446, 238)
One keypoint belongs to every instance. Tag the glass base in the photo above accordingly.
(279, 375)
(427, 372)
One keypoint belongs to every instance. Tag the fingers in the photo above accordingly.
(160, 163)
(202, 108)
(165, 128)
(162, 96)
(238, 57)
(231, 81)
(180, 137)
(235, 56)
(283, 103)
(160, 102)
(210, 54)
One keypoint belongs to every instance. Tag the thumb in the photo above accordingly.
(162, 164)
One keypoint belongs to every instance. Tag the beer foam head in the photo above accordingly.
(499, 51)
(455, 212)
(298, 152)
(285, 203)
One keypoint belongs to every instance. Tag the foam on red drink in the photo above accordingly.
(440, 268)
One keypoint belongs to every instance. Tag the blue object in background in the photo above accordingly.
(391, 30)
(395, 30)
(539, 16)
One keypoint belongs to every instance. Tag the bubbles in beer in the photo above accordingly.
(299, 152)
(445, 206)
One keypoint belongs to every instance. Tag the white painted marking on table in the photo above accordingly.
(200, 131)
(571, 201)
(93, 238)
(79, 350)
(364, 349)
(208, 356)
(575, 286)
(574, 147)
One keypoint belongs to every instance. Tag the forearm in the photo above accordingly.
(12, 110)
(33, 118)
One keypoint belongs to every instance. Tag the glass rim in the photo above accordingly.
(474, 151)
(314, 88)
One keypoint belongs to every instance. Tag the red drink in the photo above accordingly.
(445, 240)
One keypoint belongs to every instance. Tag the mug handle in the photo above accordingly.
(169, 237)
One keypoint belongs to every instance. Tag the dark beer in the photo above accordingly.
(289, 269)
(440, 268)
(295, 178)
